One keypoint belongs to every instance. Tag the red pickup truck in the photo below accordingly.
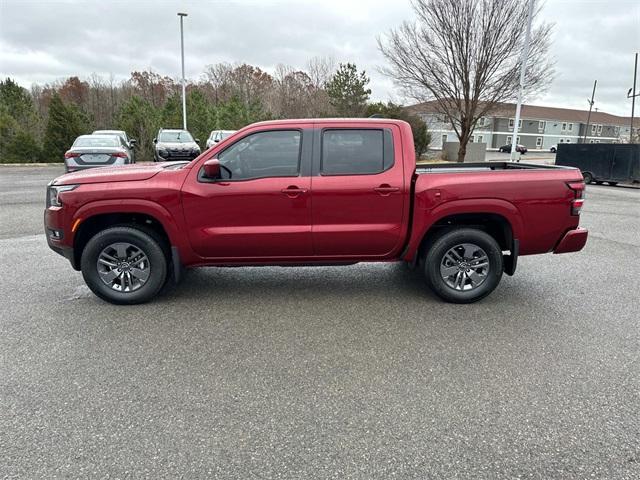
(311, 192)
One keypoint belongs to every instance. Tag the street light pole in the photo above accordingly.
(184, 97)
(590, 102)
(633, 97)
(523, 70)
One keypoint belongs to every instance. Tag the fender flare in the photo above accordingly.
(146, 207)
(477, 206)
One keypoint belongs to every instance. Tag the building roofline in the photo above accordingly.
(537, 112)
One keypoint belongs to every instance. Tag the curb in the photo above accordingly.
(56, 164)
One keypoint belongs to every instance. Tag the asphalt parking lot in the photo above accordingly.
(350, 372)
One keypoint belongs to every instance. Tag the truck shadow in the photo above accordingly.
(362, 280)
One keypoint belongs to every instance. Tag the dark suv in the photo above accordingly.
(175, 145)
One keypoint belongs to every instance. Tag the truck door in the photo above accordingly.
(261, 208)
(358, 191)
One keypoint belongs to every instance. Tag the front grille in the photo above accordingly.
(179, 155)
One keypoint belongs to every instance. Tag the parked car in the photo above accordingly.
(218, 135)
(602, 162)
(519, 148)
(248, 203)
(553, 149)
(130, 142)
(90, 151)
(173, 144)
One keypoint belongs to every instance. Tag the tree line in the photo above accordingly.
(40, 124)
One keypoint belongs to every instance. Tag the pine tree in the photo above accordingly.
(200, 117)
(172, 112)
(18, 124)
(141, 120)
(235, 114)
(347, 91)
(421, 135)
(65, 123)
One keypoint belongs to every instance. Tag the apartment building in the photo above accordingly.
(540, 128)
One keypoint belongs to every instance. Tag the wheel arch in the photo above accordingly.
(494, 224)
(467, 212)
(498, 217)
(92, 218)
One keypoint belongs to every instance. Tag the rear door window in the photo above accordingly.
(356, 151)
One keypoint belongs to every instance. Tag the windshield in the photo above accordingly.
(176, 137)
(91, 141)
(110, 132)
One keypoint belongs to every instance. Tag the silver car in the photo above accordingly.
(218, 135)
(130, 142)
(90, 151)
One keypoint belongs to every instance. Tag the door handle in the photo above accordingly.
(386, 189)
(293, 191)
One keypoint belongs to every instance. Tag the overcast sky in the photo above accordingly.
(41, 41)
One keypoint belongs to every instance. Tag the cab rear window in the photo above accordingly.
(356, 151)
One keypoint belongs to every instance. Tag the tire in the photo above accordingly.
(553, 150)
(588, 178)
(599, 182)
(141, 260)
(468, 245)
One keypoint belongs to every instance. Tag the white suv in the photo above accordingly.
(218, 135)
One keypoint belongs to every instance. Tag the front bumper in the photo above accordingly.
(573, 241)
(75, 165)
(57, 236)
(177, 155)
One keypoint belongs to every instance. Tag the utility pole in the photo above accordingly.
(633, 96)
(590, 102)
(523, 70)
(184, 88)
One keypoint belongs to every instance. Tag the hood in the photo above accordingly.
(124, 173)
(178, 145)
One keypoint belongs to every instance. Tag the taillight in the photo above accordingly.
(71, 155)
(578, 201)
(119, 155)
(576, 206)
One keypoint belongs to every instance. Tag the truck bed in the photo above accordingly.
(534, 199)
(483, 166)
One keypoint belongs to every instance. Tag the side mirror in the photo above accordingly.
(212, 168)
(197, 140)
(132, 141)
(155, 140)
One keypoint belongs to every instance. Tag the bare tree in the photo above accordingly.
(320, 70)
(465, 55)
(218, 80)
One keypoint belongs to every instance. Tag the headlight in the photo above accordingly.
(53, 194)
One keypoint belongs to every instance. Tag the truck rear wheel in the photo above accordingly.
(588, 178)
(463, 265)
(124, 265)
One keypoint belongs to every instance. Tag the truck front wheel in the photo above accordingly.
(463, 265)
(124, 265)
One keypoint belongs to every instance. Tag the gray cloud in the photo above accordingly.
(41, 41)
